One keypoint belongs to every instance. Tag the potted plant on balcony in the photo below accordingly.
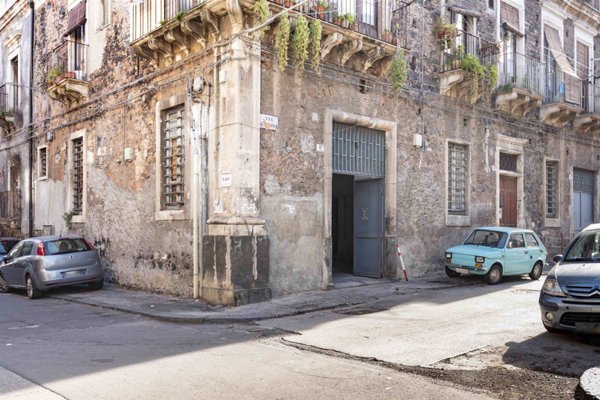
(288, 3)
(445, 34)
(54, 73)
(322, 8)
(351, 18)
(337, 18)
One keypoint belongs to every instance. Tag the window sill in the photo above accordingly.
(458, 220)
(43, 178)
(552, 223)
(78, 219)
(170, 215)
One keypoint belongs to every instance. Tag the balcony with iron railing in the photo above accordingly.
(520, 88)
(66, 72)
(562, 96)
(589, 119)
(460, 56)
(9, 104)
(164, 31)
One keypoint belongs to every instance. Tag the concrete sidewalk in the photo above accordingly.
(178, 309)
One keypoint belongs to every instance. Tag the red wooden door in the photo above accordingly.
(508, 201)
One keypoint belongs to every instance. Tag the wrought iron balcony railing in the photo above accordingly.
(9, 98)
(67, 60)
(519, 71)
(148, 15)
(560, 87)
(467, 44)
(385, 20)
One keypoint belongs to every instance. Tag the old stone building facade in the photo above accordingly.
(170, 134)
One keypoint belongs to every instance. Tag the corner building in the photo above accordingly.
(171, 135)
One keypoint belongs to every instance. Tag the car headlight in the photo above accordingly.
(448, 255)
(479, 259)
(552, 288)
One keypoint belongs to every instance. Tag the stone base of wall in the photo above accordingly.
(236, 269)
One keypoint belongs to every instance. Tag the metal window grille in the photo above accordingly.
(77, 175)
(508, 162)
(457, 178)
(43, 162)
(583, 181)
(173, 158)
(551, 189)
(358, 150)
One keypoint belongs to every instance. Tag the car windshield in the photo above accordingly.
(585, 248)
(482, 237)
(65, 245)
(2, 249)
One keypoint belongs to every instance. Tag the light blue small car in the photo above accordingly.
(494, 252)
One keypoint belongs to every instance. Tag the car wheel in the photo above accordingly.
(494, 275)
(536, 272)
(97, 285)
(32, 291)
(3, 285)
(450, 273)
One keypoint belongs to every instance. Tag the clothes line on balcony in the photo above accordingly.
(76, 17)
(557, 51)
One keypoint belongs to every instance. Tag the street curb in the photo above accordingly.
(590, 383)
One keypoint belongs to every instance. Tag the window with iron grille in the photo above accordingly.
(457, 178)
(508, 162)
(173, 158)
(551, 189)
(42, 162)
(491, 4)
(77, 173)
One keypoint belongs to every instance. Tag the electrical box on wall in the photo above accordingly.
(128, 154)
(418, 140)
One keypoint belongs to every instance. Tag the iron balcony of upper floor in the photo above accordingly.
(562, 96)
(589, 120)
(519, 84)
(9, 108)
(165, 31)
(66, 76)
(458, 55)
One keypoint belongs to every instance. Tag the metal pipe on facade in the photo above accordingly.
(30, 122)
(195, 255)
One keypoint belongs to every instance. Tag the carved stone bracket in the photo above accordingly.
(558, 114)
(350, 49)
(195, 30)
(372, 56)
(177, 39)
(162, 47)
(587, 123)
(70, 92)
(384, 66)
(235, 14)
(330, 42)
(145, 52)
(211, 22)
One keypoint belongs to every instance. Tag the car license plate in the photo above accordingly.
(73, 273)
(462, 270)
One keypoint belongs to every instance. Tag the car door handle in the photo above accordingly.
(526, 251)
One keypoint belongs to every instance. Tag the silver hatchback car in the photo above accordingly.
(42, 263)
(570, 297)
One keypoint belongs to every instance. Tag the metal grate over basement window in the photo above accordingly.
(78, 176)
(551, 189)
(173, 158)
(508, 162)
(457, 178)
(583, 181)
(358, 150)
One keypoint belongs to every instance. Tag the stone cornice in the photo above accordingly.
(578, 10)
(19, 8)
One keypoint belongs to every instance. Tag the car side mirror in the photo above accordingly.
(557, 258)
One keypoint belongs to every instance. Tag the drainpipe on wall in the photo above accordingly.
(30, 130)
(195, 174)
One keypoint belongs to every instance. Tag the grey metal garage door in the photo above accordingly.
(583, 199)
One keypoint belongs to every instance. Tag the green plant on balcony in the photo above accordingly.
(262, 13)
(282, 41)
(445, 34)
(180, 15)
(398, 72)
(314, 46)
(53, 73)
(491, 77)
(351, 19)
(300, 42)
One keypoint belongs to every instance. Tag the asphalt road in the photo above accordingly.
(51, 349)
